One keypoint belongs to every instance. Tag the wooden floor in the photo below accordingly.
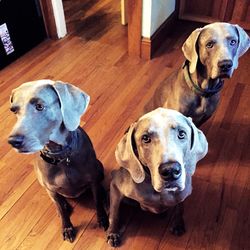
(94, 57)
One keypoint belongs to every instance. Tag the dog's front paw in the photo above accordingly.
(69, 233)
(178, 230)
(103, 221)
(114, 239)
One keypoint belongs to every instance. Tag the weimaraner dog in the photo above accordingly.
(211, 54)
(48, 117)
(158, 156)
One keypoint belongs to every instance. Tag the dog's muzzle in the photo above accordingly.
(225, 67)
(170, 171)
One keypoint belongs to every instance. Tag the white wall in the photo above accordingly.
(154, 13)
(59, 18)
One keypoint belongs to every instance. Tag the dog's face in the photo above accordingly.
(167, 144)
(216, 47)
(162, 142)
(43, 110)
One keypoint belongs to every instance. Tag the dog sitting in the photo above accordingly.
(211, 54)
(48, 118)
(158, 156)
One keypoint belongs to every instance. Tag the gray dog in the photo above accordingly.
(158, 156)
(211, 54)
(48, 117)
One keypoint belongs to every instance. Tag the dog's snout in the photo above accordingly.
(16, 141)
(170, 171)
(225, 65)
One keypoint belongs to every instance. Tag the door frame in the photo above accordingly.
(54, 19)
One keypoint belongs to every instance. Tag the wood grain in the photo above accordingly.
(209, 11)
(134, 27)
(94, 57)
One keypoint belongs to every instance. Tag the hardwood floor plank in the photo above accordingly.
(226, 229)
(19, 220)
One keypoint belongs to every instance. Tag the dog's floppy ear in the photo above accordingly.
(189, 49)
(73, 101)
(244, 44)
(126, 157)
(198, 146)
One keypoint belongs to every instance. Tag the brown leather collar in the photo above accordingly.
(62, 155)
(58, 157)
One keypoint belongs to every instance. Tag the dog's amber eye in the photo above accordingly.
(146, 138)
(210, 45)
(39, 107)
(181, 134)
(233, 42)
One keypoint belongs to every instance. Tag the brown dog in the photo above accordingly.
(211, 54)
(48, 117)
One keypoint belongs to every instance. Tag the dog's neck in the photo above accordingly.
(59, 140)
(54, 147)
(55, 153)
(201, 84)
(202, 79)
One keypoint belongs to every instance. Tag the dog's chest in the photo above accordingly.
(207, 105)
(153, 204)
(199, 108)
(65, 175)
(64, 179)
(156, 202)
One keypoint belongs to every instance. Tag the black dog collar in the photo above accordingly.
(58, 157)
(63, 155)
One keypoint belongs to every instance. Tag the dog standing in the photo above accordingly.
(158, 156)
(211, 54)
(48, 117)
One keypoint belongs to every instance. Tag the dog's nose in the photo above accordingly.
(16, 141)
(170, 171)
(225, 65)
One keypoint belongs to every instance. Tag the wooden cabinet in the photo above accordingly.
(208, 11)
(241, 13)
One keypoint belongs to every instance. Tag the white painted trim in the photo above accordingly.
(124, 12)
(59, 18)
(154, 13)
(146, 18)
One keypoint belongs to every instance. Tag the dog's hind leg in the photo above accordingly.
(64, 209)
